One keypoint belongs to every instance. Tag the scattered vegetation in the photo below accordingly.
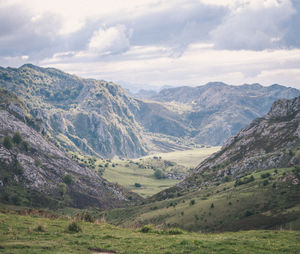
(7, 142)
(68, 179)
(74, 227)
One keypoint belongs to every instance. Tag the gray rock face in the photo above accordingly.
(266, 143)
(44, 167)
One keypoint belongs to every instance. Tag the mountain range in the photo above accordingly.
(253, 182)
(99, 118)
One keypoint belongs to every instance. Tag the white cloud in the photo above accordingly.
(254, 25)
(110, 41)
(157, 42)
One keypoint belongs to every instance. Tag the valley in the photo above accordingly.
(85, 164)
(138, 175)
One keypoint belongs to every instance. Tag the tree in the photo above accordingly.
(159, 174)
(17, 138)
(7, 142)
(68, 179)
(62, 188)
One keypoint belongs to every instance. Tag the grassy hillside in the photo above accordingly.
(188, 158)
(138, 175)
(34, 234)
(263, 200)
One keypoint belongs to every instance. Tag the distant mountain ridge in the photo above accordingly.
(216, 111)
(100, 118)
(268, 142)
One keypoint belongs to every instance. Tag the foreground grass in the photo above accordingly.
(27, 234)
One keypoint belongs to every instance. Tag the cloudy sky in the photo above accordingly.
(152, 43)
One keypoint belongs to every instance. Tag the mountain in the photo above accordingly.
(216, 111)
(272, 141)
(99, 118)
(80, 114)
(34, 172)
(253, 182)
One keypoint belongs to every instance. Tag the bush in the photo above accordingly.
(85, 216)
(74, 227)
(137, 185)
(175, 231)
(40, 228)
(7, 142)
(37, 162)
(62, 188)
(192, 202)
(68, 179)
(244, 181)
(17, 138)
(19, 169)
(25, 145)
(265, 182)
(147, 228)
(212, 205)
(248, 213)
(159, 174)
(265, 175)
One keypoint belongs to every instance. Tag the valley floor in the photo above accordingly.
(34, 234)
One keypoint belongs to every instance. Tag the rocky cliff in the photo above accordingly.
(34, 172)
(80, 114)
(271, 141)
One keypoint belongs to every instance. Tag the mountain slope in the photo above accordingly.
(80, 114)
(217, 111)
(100, 118)
(33, 172)
(253, 182)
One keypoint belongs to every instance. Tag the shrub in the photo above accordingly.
(19, 169)
(17, 138)
(265, 182)
(62, 188)
(7, 142)
(37, 162)
(212, 205)
(159, 174)
(147, 228)
(68, 179)
(265, 175)
(74, 227)
(192, 202)
(137, 185)
(248, 213)
(40, 228)
(175, 231)
(87, 217)
(25, 145)
(244, 181)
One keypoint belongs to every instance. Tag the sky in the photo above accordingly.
(154, 43)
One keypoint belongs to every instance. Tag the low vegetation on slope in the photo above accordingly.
(263, 200)
(147, 175)
(34, 234)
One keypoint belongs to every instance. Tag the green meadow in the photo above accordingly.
(141, 171)
(35, 234)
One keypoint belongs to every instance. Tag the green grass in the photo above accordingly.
(141, 170)
(247, 206)
(31, 234)
(188, 158)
